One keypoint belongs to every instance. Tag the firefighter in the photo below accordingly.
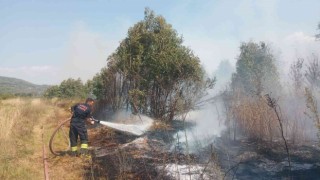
(81, 113)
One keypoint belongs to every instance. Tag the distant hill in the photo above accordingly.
(10, 85)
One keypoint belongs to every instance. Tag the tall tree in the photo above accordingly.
(152, 71)
(256, 71)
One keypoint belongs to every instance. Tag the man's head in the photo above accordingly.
(90, 101)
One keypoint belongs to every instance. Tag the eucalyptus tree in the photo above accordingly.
(153, 72)
(256, 70)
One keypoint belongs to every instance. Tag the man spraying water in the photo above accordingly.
(81, 114)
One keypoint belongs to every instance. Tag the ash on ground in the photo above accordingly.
(120, 155)
(249, 159)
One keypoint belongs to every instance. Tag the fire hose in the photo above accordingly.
(66, 136)
(134, 129)
(51, 147)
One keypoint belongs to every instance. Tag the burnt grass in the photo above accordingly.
(249, 159)
(114, 157)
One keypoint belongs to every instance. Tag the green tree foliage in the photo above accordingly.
(70, 88)
(246, 104)
(152, 71)
(256, 71)
(98, 86)
(52, 91)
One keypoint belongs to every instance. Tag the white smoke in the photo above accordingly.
(209, 124)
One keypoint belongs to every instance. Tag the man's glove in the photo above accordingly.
(95, 120)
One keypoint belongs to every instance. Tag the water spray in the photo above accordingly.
(135, 129)
(60, 134)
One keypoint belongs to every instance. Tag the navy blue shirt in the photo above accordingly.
(80, 112)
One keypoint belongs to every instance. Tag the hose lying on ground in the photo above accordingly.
(51, 147)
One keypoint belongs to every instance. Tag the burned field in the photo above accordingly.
(117, 155)
(247, 159)
(158, 155)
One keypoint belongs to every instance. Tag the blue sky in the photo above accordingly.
(45, 42)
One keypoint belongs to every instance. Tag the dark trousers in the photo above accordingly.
(78, 129)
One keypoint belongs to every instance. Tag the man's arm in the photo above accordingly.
(73, 108)
(90, 118)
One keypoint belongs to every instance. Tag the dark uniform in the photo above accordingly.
(78, 126)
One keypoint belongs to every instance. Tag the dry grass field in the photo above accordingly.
(26, 124)
(23, 123)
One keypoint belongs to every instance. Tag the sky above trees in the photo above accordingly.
(45, 42)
